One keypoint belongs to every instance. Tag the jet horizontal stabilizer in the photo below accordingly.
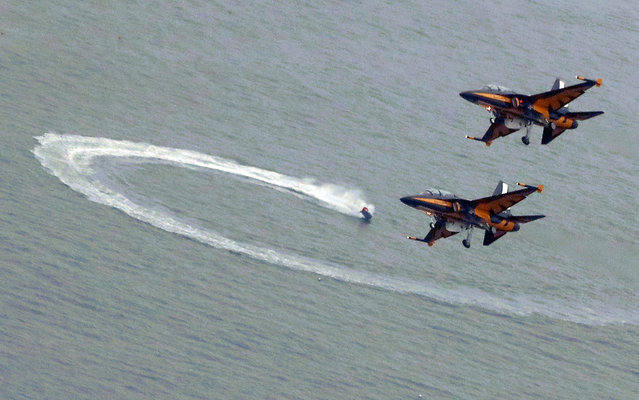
(522, 219)
(582, 115)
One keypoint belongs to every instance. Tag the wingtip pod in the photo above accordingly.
(479, 140)
(598, 82)
(539, 188)
(420, 240)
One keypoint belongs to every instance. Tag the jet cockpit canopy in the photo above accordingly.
(497, 89)
(437, 193)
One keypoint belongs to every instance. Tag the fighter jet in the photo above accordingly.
(513, 111)
(453, 214)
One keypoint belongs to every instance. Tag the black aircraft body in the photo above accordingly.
(513, 111)
(453, 214)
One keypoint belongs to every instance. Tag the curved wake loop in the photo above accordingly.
(70, 157)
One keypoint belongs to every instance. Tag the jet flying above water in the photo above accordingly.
(513, 111)
(453, 214)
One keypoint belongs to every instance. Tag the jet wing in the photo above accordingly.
(497, 129)
(501, 202)
(437, 232)
(555, 99)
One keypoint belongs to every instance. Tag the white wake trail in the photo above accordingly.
(70, 158)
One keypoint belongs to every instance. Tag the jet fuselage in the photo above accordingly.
(514, 111)
(453, 214)
(460, 211)
(517, 106)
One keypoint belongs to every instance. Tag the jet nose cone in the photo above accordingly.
(408, 200)
(516, 228)
(469, 95)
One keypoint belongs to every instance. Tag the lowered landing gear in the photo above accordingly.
(525, 139)
(466, 242)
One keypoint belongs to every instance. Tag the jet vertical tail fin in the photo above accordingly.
(501, 188)
(550, 134)
(559, 84)
(490, 237)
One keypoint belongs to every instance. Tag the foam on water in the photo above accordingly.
(70, 157)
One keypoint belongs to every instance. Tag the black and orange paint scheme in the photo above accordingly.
(453, 214)
(513, 111)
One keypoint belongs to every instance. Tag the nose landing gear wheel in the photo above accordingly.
(466, 243)
(525, 140)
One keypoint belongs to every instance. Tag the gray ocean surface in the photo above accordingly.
(180, 181)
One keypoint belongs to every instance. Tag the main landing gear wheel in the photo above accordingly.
(525, 140)
(466, 242)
